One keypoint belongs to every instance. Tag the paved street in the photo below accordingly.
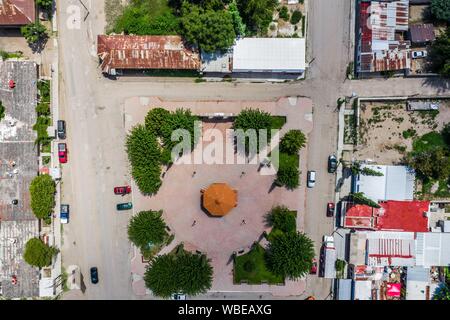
(93, 108)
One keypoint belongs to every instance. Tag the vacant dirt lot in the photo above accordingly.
(387, 130)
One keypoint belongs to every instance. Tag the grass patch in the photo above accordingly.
(46, 147)
(278, 122)
(251, 267)
(410, 133)
(428, 141)
(10, 55)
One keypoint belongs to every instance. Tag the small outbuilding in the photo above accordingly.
(422, 33)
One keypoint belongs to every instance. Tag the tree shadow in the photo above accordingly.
(442, 84)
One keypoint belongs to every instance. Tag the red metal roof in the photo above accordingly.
(17, 12)
(421, 33)
(145, 52)
(408, 216)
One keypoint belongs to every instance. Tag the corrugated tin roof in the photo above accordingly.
(17, 12)
(269, 54)
(390, 248)
(433, 249)
(420, 33)
(145, 52)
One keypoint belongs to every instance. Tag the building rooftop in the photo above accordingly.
(418, 283)
(18, 166)
(392, 216)
(396, 183)
(269, 55)
(17, 12)
(433, 249)
(145, 52)
(421, 33)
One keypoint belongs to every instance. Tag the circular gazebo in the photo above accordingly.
(219, 199)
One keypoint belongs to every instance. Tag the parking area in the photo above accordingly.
(245, 224)
(387, 129)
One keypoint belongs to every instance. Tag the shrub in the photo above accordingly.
(281, 218)
(292, 142)
(181, 272)
(296, 17)
(42, 192)
(2, 111)
(147, 227)
(284, 13)
(290, 255)
(288, 172)
(38, 254)
(34, 32)
(257, 14)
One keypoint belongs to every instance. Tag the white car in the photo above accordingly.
(311, 180)
(419, 54)
(178, 296)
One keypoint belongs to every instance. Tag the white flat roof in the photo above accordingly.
(269, 54)
(433, 249)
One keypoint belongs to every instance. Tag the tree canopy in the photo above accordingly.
(38, 254)
(147, 227)
(433, 163)
(292, 142)
(442, 293)
(281, 218)
(360, 198)
(290, 255)
(210, 30)
(440, 53)
(441, 9)
(257, 14)
(42, 192)
(34, 32)
(183, 272)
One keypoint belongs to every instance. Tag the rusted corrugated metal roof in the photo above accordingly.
(421, 33)
(145, 52)
(17, 12)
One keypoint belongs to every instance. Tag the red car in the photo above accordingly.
(314, 266)
(330, 209)
(62, 152)
(122, 190)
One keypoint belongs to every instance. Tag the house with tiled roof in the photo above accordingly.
(16, 13)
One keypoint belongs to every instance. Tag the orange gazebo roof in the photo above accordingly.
(219, 199)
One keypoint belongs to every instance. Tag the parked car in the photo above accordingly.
(62, 152)
(419, 54)
(124, 206)
(332, 163)
(313, 267)
(178, 296)
(311, 179)
(64, 213)
(61, 129)
(330, 209)
(94, 275)
(122, 190)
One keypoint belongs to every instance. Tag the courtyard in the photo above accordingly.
(192, 225)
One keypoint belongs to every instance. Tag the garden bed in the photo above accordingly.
(251, 268)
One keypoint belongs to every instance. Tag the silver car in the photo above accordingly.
(311, 179)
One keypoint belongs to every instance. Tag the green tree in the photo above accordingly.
(433, 163)
(238, 23)
(34, 32)
(210, 30)
(257, 14)
(144, 155)
(288, 176)
(445, 132)
(252, 119)
(38, 254)
(147, 227)
(43, 109)
(440, 53)
(42, 193)
(183, 272)
(356, 169)
(360, 198)
(180, 119)
(292, 142)
(442, 292)
(296, 17)
(156, 120)
(284, 13)
(281, 218)
(441, 9)
(290, 255)
(45, 4)
(2, 111)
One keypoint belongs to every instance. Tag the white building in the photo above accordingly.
(397, 183)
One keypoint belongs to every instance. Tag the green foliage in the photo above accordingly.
(445, 132)
(42, 192)
(296, 17)
(180, 119)
(210, 30)
(255, 119)
(2, 111)
(257, 14)
(147, 228)
(283, 13)
(409, 133)
(288, 171)
(290, 255)
(9, 55)
(442, 293)
(356, 169)
(144, 155)
(45, 4)
(340, 265)
(38, 254)
(40, 127)
(259, 272)
(156, 120)
(182, 272)
(281, 218)
(440, 53)
(441, 9)
(428, 141)
(147, 17)
(43, 109)
(292, 142)
(360, 198)
(239, 26)
(432, 164)
(34, 32)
